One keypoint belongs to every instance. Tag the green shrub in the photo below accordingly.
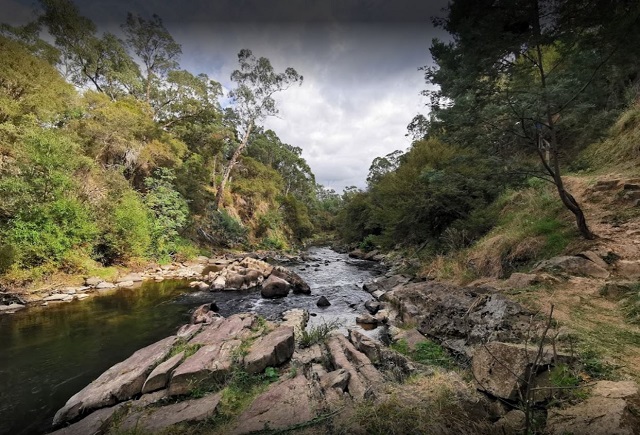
(223, 229)
(317, 334)
(368, 243)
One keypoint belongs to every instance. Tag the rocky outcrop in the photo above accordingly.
(159, 377)
(119, 383)
(613, 408)
(460, 318)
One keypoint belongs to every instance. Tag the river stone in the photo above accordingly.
(159, 377)
(372, 306)
(612, 409)
(284, 404)
(96, 422)
(11, 307)
(58, 298)
(105, 285)
(271, 350)
(125, 284)
(367, 319)
(274, 287)
(210, 364)
(298, 285)
(135, 277)
(323, 302)
(121, 382)
(260, 266)
(155, 419)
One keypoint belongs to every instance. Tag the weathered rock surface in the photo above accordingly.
(11, 307)
(153, 420)
(284, 404)
(573, 265)
(205, 313)
(460, 317)
(95, 423)
(236, 326)
(612, 409)
(372, 306)
(159, 377)
(105, 285)
(628, 269)
(275, 287)
(298, 285)
(58, 297)
(271, 350)
(502, 369)
(296, 318)
(121, 382)
(210, 364)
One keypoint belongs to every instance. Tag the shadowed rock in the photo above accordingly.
(275, 287)
(159, 377)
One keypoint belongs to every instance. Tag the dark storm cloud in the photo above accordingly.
(360, 61)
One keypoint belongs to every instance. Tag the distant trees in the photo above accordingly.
(257, 82)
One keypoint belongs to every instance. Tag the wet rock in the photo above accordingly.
(210, 364)
(372, 306)
(323, 302)
(121, 382)
(271, 350)
(613, 408)
(159, 377)
(298, 285)
(284, 404)
(502, 369)
(125, 284)
(274, 287)
(573, 265)
(357, 253)
(155, 419)
(200, 285)
(366, 319)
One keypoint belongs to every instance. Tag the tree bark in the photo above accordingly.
(232, 163)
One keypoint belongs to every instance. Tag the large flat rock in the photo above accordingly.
(210, 364)
(284, 404)
(121, 382)
(233, 327)
(271, 350)
(95, 423)
(154, 420)
(159, 377)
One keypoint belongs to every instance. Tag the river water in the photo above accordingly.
(47, 354)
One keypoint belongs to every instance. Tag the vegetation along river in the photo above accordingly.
(47, 354)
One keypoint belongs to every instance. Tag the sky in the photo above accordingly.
(359, 59)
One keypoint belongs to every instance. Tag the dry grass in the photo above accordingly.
(436, 404)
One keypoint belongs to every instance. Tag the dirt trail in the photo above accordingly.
(612, 207)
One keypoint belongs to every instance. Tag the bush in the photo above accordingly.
(222, 229)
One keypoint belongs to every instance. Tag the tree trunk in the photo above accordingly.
(232, 163)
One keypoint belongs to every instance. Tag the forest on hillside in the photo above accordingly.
(112, 153)
(523, 93)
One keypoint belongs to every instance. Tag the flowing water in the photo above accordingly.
(47, 354)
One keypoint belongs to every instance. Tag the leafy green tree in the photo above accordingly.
(383, 165)
(257, 82)
(521, 77)
(154, 45)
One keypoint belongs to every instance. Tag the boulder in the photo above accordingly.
(366, 319)
(357, 253)
(323, 302)
(296, 318)
(135, 277)
(205, 313)
(592, 256)
(200, 285)
(335, 379)
(285, 404)
(125, 284)
(159, 377)
(262, 267)
(271, 350)
(93, 281)
(210, 365)
(573, 265)
(105, 285)
(274, 287)
(233, 281)
(372, 306)
(613, 408)
(219, 283)
(512, 423)
(121, 382)
(156, 419)
(298, 285)
(460, 317)
(502, 369)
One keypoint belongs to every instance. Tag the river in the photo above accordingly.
(47, 354)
